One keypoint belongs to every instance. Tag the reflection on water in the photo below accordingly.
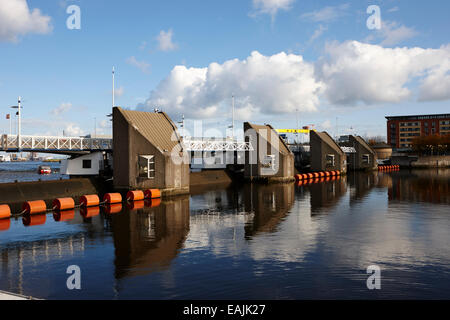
(281, 241)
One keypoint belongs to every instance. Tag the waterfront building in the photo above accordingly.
(401, 130)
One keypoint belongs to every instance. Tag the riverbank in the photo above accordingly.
(424, 162)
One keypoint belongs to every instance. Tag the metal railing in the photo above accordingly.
(36, 143)
(216, 145)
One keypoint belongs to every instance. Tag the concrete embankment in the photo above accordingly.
(15, 194)
(421, 161)
(209, 180)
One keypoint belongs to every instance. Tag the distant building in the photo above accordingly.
(401, 130)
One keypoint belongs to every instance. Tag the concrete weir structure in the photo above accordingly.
(326, 155)
(148, 153)
(365, 157)
(271, 160)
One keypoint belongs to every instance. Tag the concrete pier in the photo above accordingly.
(6, 296)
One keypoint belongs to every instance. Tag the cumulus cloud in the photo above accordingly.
(73, 130)
(274, 84)
(327, 14)
(348, 74)
(118, 92)
(357, 72)
(271, 7)
(141, 65)
(63, 108)
(165, 42)
(393, 33)
(17, 19)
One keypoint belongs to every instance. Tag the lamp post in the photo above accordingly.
(19, 138)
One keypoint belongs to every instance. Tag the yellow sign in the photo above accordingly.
(293, 131)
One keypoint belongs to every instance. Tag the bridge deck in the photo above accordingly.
(47, 144)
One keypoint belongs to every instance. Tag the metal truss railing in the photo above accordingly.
(216, 145)
(31, 143)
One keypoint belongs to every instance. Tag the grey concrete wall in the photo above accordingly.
(15, 194)
(319, 150)
(253, 160)
(129, 144)
(355, 161)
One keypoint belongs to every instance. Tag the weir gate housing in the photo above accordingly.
(147, 152)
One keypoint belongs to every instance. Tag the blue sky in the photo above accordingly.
(64, 76)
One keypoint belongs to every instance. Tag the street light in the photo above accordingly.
(19, 139)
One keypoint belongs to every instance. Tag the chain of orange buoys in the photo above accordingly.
(34, 212)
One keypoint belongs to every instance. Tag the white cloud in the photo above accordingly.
(165, 42)
(63, 108)
(357, 72)
(141, 65)
(327, 14)
(16, 19)
(392, 33)
(317, 33)
(274, 84)
(394, 9)
(349, 74)
(271, 7)
(73, 130)
(326, 125)
(118, 92)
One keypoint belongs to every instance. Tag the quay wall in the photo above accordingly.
(421, 161)
(15, 194)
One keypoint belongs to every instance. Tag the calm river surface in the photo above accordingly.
(313, 241)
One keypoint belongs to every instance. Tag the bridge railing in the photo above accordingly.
(198, 144)
(10, 142)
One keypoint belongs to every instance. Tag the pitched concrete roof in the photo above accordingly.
(364, 143)
(157, 128)
(283, 148)
(330, 141)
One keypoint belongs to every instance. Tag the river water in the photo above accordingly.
(313, 241)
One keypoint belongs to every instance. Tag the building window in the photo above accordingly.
(330, 160)
(146, 167)
(87, 164)
(366, 158)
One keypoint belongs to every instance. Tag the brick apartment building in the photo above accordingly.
(401, 130)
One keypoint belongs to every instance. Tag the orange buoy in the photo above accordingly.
(135, 195)
(153, 203)
(113, 208)
(298, 177)
(34, 207)
(89, 212)
(152, 194)
(5, 224)
(35, 220)
(316, 175)
(327, 173)
(299, 183)
(322, 174)
(63, 204)
(310, 175)
(89, 200)
(304, 176)
(112, 198)
(333, 173)
(5, 211)
(136, 205)
(64, 215)
(338, 173)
